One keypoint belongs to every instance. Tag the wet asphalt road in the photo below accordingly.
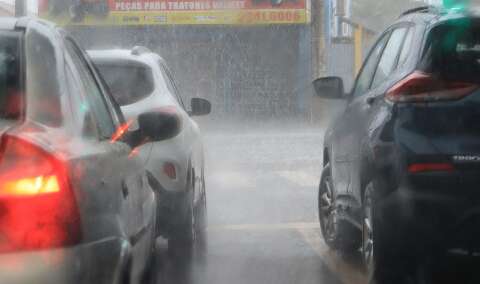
(263, 228)
(263, 220)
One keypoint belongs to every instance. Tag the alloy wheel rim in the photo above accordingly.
(194, 224)
(326, 207)
(367, 233)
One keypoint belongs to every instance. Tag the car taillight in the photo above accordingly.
(423, 87)
(430, 167)
(169, 170)
(37, 205)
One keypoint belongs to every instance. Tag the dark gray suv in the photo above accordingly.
(402, 163)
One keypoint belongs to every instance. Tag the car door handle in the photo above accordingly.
(371, 100)
(124, 189)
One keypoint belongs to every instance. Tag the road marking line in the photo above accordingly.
(300, 177)
(346, 272)
(265, 227)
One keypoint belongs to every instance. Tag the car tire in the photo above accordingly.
(186, 233)
(126, 273)
(149, 272)
(382, 248)
(201, 210)
(369, 241)
(339, 234)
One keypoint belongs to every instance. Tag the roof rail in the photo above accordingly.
(139, 50)
(422, 9)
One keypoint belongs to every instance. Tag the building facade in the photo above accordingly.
(252, 60)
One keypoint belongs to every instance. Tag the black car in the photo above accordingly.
(76, 203)
(401, 176)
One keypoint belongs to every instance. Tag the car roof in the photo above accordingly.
(14, 23)
(431, 15)
(147, 58)
(8, 23)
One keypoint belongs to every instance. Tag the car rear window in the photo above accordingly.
(129, 83)
(453, 51)
(10, 76)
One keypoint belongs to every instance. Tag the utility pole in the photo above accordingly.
(20, 8)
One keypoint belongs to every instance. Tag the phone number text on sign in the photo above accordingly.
(272, 17)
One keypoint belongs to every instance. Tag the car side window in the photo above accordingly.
(88, 124)
(387, 63)
(365, 77)
(92, 93)
(172, 87)
(406, 48)
(46, 106)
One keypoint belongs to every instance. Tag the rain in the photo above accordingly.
(240, 141)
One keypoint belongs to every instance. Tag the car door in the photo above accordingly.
(364, 102)
(191, 134)
(344, 136)
(112, 160)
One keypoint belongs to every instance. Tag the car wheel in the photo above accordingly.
(149, 273)
(191, 235)
(381, 248)
(201, 209)
(368, 250)
(126, 273)
(338, 234)
(185, 234)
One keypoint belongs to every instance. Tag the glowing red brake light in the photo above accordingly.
(38, 206)
(30, 186)
(430, 167)
(423, 87)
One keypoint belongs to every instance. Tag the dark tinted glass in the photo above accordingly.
(170, 82)
(128, 83)
(406, 48)
(10, 77)
(453, 51)
(42, 80)
(89, 125)
(92, 92)
(388, 61)
(365, 78)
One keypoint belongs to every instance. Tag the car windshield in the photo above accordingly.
(128, 82)
(10, 77)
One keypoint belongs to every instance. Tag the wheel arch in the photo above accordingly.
(368, 172)
(326, 157)
(371, 171)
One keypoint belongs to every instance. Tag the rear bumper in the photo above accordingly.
(436, 215)
(96, 262)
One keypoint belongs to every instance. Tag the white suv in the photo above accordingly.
(141, 82)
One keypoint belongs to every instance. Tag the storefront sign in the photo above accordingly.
(175, 12)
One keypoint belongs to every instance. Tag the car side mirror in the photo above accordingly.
(159, 125)
(329, 87)
(200, 107)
